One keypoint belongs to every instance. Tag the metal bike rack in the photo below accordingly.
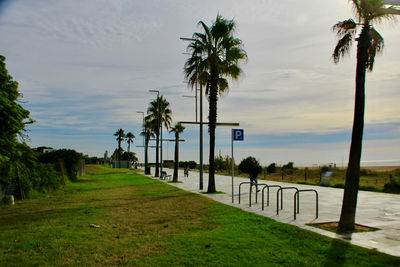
(298, 201)
(262, 193)
(256, 185)
(240, 187)
(277, 197)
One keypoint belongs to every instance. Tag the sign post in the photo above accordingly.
(237, 135)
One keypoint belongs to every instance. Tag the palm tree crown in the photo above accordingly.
(159, 114)
(215, 56)
(129, 139)
(120, 134)
(367, 12)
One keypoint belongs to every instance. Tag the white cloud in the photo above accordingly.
(88, 65)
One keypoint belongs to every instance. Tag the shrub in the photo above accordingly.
(192, 164)
(271, 168)
(392, 187)
(69, 157)
(250, 165)
(47, 178)
(365, 172)
(325, 169)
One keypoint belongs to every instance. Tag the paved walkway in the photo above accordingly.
(377, 210)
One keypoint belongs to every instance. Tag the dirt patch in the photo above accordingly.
(333, 227)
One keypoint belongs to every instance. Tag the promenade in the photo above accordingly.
(378, 210)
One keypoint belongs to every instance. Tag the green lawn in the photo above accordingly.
(147, 222)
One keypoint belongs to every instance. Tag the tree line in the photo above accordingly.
(23, 169)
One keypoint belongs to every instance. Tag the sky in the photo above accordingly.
(85, 67)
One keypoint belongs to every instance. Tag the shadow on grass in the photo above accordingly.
(336, 254)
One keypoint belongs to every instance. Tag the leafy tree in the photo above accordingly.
(13, 118)
(370, 42)
(129, 139)
(271, 168)
(120, 137)
(250, 165)
(177, 129)
(215, 55)
(147, 133)
(129, 156)
(159, 114)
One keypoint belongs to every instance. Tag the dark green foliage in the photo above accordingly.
(69, 157)
(288, 168)
(250, 165)
(93, 160)
(271, 168)
(365, 172)
(46, 178)
(129, 156)
(192, 164)
(223, 163)
(325, 169)
(392, 187)
(12, 115)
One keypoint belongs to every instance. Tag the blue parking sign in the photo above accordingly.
(238, 135)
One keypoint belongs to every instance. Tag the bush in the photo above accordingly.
(365, 172)
(46, 178)
(192, 164)
(325, 169)
(392, 187)
(271, 168)
(69, 157)
(250, 165)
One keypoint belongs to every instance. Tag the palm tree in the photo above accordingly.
(177, 129)
(147, 133)
(120, 137)
(129, 139)
(215, 55)
(159, 113)
(370, 42)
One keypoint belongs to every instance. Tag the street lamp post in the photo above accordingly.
(200, 125)
(193, 96)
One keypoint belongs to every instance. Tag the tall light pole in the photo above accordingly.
(159, 123)
(193, 96)
(144, 152)
(200, 125)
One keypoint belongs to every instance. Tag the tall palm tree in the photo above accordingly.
(215, 56)
(129, 139)
(370, 42)
(120, 137)
(177, 129)
(160, 114)
(147, 133)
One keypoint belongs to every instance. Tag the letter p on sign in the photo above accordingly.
(238, 135)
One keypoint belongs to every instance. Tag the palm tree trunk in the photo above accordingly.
(212, 118)
(176, 159)
(348, 213)
(146, 156)
(119, 153)
(157, 173)
(129, 146)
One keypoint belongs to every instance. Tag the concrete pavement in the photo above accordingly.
(377, 210)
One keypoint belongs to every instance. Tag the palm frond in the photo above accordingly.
(375, 46)
(342, 47)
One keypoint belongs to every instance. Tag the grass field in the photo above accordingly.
(144, 222)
